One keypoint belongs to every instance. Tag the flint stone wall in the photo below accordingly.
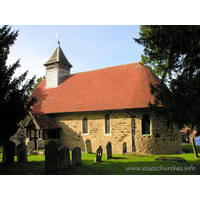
(122, 129)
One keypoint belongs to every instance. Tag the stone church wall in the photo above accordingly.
(160, 140)
(72, 136)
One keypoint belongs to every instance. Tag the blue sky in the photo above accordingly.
(87, 47)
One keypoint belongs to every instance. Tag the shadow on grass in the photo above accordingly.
(29, 168)
(118, 158)
(118, 165)
(106, 167)
(133, 168)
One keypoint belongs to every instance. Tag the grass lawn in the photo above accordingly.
(128, 164)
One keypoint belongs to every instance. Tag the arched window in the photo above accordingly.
(145, 125)
(85, 125)
(107, 124)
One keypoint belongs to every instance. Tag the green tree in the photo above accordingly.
(173, 53)
(38, 82)
(14, 94)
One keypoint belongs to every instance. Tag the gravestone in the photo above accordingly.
(88, 148)
(31, 145)
(76, 156)
(64, 158)
(22, 153)
(99, 153)
(51, 157)
(108, 150)
(40, 144)
(124, 147)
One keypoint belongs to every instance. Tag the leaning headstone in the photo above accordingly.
(64, 158)
(108, 150)
(88, 148)
(99, 153)
(51, 157)
(124, 147)
(76, 156)
(22, 153)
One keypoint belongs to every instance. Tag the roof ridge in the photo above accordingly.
(105, 68)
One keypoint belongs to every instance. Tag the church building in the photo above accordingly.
(104, 105)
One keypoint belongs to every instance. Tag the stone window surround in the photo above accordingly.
(106, 134)
(107, 116)
(83, 127)
(150, 124)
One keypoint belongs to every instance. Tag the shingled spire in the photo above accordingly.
(57, 67)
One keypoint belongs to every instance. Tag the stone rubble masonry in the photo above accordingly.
(160, 141)
(71, 134)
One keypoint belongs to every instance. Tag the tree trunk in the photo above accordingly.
(8, 153)
(194, 148)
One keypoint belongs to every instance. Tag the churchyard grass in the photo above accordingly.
(127, 164)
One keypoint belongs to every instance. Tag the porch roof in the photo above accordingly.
(41, 121)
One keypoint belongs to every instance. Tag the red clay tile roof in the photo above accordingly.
(119, 87)
(43, 121)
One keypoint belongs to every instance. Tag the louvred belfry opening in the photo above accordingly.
(57, 68)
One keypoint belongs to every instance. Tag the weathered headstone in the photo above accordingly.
(76, 156)
(64, 158)
(108, 150)
(124, 147)
(88, 148)
(51, 157)
(31, 145)
(99, 153)
(40, 144)
(22, 153)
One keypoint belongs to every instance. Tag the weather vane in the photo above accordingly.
(57, 35)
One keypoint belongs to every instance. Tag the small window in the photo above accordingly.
(145, 125)
(85, 125)
(107, 124)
